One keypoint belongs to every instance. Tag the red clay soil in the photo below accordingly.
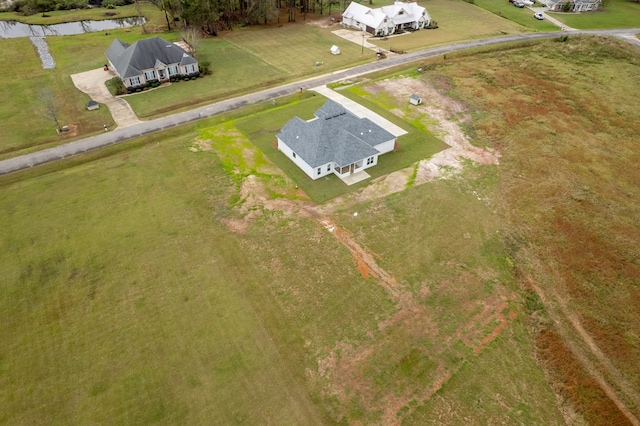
(574, 384)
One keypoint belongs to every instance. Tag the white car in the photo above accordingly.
(538, 16)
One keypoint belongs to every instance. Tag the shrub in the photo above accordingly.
(205, 67)
(116, 86)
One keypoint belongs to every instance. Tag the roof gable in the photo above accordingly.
(335, 135)
(132, 60)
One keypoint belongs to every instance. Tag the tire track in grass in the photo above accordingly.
(557, 314)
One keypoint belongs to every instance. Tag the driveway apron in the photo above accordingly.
(93, 84)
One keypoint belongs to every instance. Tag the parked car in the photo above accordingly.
(538, 16)
(518, 3)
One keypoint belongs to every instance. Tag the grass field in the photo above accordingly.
(250, 59)
(183, 278)
(569, 196)
(242, 60)
(154, 16)
(22, 80)
(616, 14)
(457, 21)
(128, 299)
(522, 16)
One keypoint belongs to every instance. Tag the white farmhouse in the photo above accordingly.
(335, 141)
(386, 20)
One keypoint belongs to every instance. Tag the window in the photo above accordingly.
(150, 75)
(370, 161)
(190, 68)
(134, 81)
(173, 70)
(328, 167)
(319, 170)
(294, 155)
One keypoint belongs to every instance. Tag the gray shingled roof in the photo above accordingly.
(131, 60)
(335, 135)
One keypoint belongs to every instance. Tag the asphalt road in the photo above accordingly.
(120, 135)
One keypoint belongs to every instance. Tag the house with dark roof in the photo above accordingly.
(334, 141)
(149, 60)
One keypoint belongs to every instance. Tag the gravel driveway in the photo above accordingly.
(92, 83)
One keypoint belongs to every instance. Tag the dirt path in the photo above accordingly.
(93, 84)
(560, 315)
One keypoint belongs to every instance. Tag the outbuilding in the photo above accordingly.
(415, 99)
(91, 105)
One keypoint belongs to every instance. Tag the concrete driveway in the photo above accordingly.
(551, 19)
(93, 84)
(360, 111)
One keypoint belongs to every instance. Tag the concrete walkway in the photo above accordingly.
(93, 84)
(146, 127)
(360, 111)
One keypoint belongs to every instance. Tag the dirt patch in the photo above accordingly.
(444, 116)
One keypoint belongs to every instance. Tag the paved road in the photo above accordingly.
(146, 127)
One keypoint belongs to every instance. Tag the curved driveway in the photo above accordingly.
(92, 83)
(145, 127)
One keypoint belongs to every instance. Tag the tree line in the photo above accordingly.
(211, 16)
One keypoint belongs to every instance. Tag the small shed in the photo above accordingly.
(415, 99)
(335, 50)
(91, 105)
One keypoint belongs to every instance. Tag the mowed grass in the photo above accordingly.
(127, 300)
(522, 16)
(23, 115)
(263, 127)
(155, 17)
(616, 14)
(243, 60)
(250, 59)
(442, 245)
(567, 189)
(25, 125)
(457, 21)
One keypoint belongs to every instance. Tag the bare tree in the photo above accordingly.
(140, 15)
(192, 36)
(49, 106)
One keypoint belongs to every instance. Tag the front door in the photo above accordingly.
(161, 74)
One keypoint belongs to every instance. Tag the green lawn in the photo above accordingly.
(261, 130)
(522, 16)
(126, 300)
(242, 60)
(457, 21)
(249, 59)
(23, 79)
(615, 14)
(155, 17)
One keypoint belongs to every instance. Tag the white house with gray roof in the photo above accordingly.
(572, 5)
(386, 20)
(335, 141)
(151, 59)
